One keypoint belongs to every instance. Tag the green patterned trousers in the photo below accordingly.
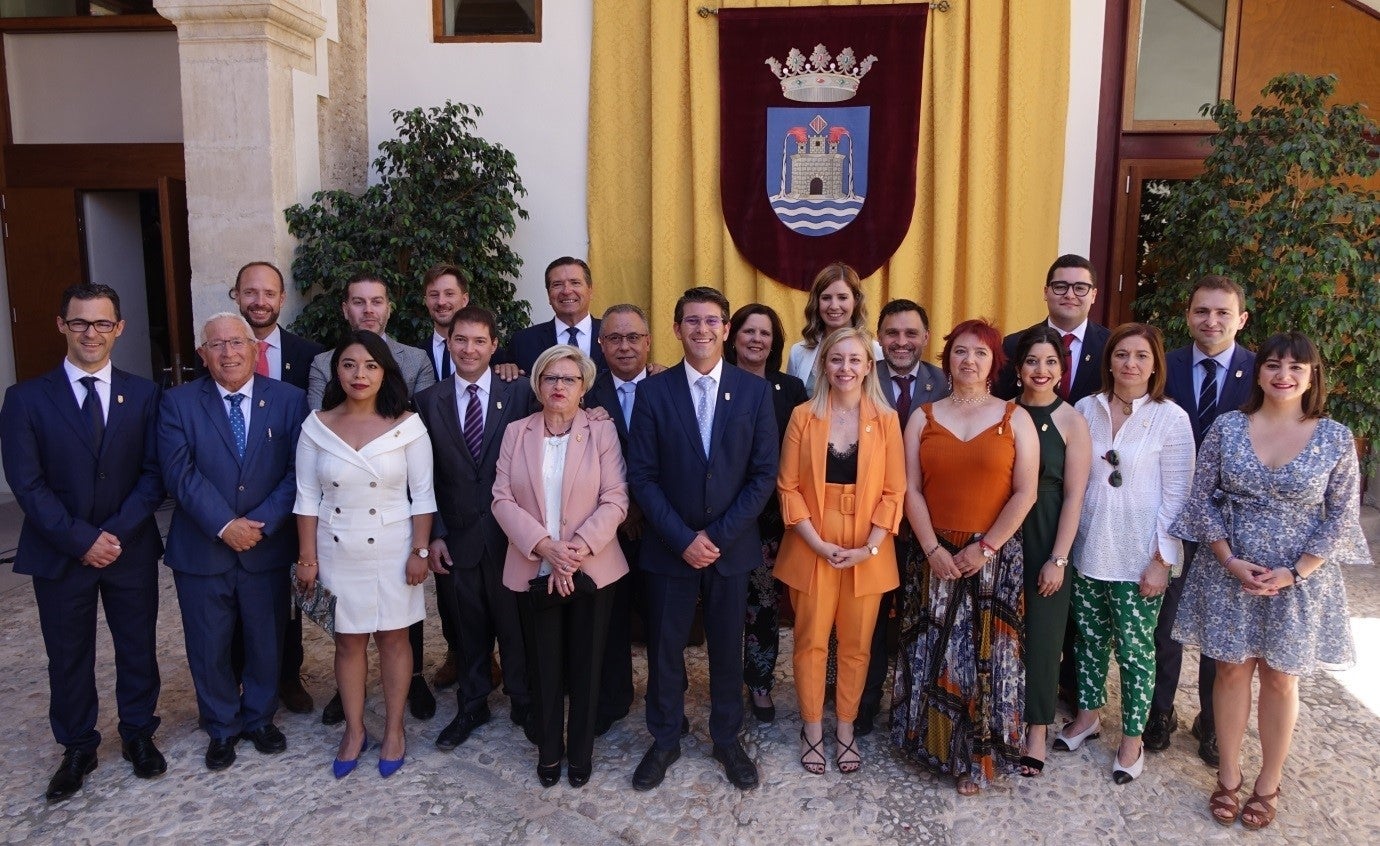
(1107, 614)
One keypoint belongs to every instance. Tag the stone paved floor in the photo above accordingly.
(486, 792)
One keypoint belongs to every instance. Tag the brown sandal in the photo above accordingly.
(1226, 800)
(1262, 818)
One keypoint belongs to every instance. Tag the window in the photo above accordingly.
(73, 8)
(486, 20)
(1174, 62)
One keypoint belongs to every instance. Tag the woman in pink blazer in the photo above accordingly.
(559, 495)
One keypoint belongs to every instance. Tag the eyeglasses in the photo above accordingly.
(232, 344)
(563, 381)
(79, 326)
(697, 322)
(1080, 289)
(1115, 460)
(631, 337)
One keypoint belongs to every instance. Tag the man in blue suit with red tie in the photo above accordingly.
(227, 445)
(79, 454)
(1207, 378)
(702, 460)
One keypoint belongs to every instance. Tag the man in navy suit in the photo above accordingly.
(1070, 291)
(79, 454)
(227, 445)
(908, 382)
(1208, 377)
(287, 357)
(569, 289)
(702, 460)
(626, 341)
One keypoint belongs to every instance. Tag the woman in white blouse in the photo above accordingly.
(836, 300)
(1143, 456)
(560, 494)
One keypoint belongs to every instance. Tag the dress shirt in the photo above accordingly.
(1075, 349)
(1223, 360)
(888, 377)
(462, 396)
(75, 374)
(440, 351)
(584, 339)
(274, 352)
(552, 478)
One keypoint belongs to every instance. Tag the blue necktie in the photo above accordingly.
(237, 427)
(92, 410)
(626, 395)
(704, 410)
(1207, 394)
(572, 337)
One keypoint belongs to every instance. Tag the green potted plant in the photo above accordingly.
(443, 194)
(1280, 207)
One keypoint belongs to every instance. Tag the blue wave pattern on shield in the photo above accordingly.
(817, 166)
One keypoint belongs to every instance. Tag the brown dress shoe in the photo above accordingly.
(295, 697)
(447, 674)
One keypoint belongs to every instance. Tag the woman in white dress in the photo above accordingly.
(836, 300)
(364, 509)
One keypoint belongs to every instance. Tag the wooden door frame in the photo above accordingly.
(1132, 174)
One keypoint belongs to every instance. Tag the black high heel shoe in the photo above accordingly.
(579, 776)
(549, 774)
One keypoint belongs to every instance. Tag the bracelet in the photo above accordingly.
(1230, 558)
(301, 564)
(933, 550)
(982, 542)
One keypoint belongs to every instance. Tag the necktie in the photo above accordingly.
(1066, 381)
(627, 393)
(572, 337)
(261, 366)
(1207, 394)
(237, 427)
(704, 410)
(93, 412)
(903, 397)
(474, 423)
(444, 355)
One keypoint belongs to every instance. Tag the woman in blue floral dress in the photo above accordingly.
(1275, 509)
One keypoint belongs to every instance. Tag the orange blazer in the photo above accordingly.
(880, 492)
(594, 497)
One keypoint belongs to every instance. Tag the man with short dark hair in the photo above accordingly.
(1070, 291)
(465, 415)
(80, 456)
(702, 460)
(1210, 376)
(569, 289)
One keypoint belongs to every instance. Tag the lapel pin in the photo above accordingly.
(270, 434)
(868, 428)
(1087, 357)
(262, 403)
(120, 398)
(287, 365)
(777, 387)
(1238, 374)
(396, 433)
(929, 387)
(499, 404)
(727, 396)
(579, 438)
(1044, 427)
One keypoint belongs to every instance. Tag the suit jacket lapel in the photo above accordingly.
(533, 445)
(115, 415)
(685, 409)
(219, 412)
(262, 401)
(728, 382)
(575, 455)
(498, 414)
(449, 413)
(1236, 384)
(65, 402)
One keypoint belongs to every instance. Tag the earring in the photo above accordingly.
(1018, 382)
(951, 384)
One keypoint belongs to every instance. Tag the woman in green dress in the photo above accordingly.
(1049, 528)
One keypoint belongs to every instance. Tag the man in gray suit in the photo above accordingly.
(367, 307)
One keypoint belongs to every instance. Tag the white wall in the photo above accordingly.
(115, 255)
(535, 99)
(1086, 20)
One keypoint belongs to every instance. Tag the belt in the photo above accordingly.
(841, 498)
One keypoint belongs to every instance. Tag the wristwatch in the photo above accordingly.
(987, 549)
(422, 552)
(1061, 562)
(1299, 578)
(873, 550)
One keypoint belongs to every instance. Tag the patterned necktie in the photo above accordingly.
(1066, 381)
(474, 423)
(261, 366)
(903, 397)
(704, 410)
(627, 393)
(445, 363)
(572, 337)
(1207, 394)
(237, 427)
(92, 410)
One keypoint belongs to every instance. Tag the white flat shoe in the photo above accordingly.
(1065, 742)
(1126, 775)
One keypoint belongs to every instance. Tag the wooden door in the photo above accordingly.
(42, 257)
(1144, 184)
(177, 277)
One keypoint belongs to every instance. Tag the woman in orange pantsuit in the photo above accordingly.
(842, 484)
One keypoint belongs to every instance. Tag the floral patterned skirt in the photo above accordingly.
(959, 693)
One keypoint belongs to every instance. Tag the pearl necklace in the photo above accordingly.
(978, 400)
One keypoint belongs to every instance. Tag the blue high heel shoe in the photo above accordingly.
(340, 768)
(387, 767)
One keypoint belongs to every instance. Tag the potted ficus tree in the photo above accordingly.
(443, 194)
(1283, 208)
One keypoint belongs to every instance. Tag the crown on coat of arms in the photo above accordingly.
(822, 78)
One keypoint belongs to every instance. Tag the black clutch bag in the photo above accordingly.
(316, 604)
(537, 591)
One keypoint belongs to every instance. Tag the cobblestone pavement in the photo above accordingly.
(486, 790)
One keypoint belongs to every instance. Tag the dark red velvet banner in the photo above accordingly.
(820, 126)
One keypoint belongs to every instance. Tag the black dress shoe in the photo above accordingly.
(295, 697)
(147, 760)
(221, 753)
(763, 713)
(1207, 742)
(334, 712)
(865, 721)
(520, 713)
(419, 699)
(1158, 730)
(549, 774)
(459, 729)
(651, 771)
(70, 774)
(267, 739)
(578, 776)
(741, 772)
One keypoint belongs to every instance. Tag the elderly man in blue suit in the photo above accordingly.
(227, 444)
(79, 454)
(702, 460)
(1208, 377)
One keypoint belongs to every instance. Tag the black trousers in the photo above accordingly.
(616, 681)
(487, 611)
(565, 652)
(1169, 653)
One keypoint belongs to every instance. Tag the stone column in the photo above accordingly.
(237, 59)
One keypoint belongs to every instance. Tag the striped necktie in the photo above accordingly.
(1207, 394)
